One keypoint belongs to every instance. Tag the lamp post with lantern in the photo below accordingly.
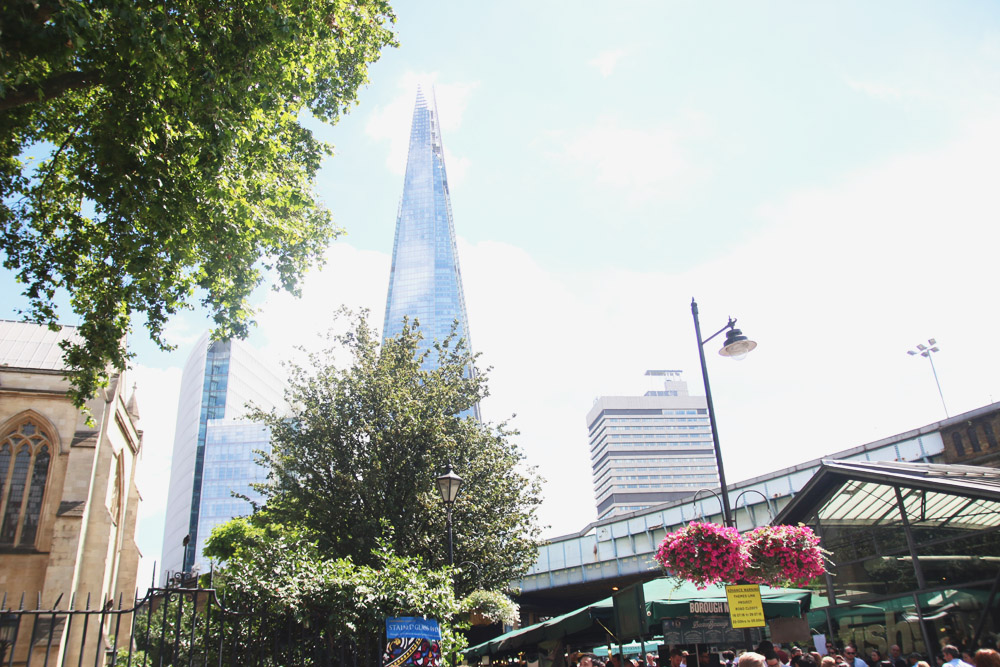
(736, 347)
(449, 485)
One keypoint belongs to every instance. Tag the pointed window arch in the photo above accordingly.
(25, 458)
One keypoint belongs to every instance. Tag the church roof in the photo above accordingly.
(35, 346)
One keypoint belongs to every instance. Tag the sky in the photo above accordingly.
(826, 173)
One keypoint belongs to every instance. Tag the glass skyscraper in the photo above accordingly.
(425, 283)
(214, 445)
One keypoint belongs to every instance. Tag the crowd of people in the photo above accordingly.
(767, 655)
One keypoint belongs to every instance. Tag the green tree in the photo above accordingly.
(354, 464)
(296, 603)
(177, 167)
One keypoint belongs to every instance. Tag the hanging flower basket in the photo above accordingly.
(704, 554)
(783, 556)
(489, 607)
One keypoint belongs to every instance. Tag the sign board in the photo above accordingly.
(705, 630)
(630, 612)
(746, 609)
(412, 642)
(790, 631)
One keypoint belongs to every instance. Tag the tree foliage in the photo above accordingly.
(301, 601)
(175, 164)
(354, 466)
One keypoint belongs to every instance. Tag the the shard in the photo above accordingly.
(425, 283)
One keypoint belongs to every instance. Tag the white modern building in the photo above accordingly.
(214, 445)
(650, 449)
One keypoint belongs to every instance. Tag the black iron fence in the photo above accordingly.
(168, 627)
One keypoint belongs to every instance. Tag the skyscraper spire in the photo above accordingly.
(425, 283)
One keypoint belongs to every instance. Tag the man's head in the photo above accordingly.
(586, 660)
(950, 652)
(895, 651)
(796, 651)
(771, 659)
(676, 657)
(751, 659)
(913, 659)
(851, 652)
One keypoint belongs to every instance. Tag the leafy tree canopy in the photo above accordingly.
(354, 465)
(175, 164)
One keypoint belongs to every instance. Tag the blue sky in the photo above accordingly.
(826, 173)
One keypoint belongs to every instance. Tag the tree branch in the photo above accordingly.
(48, 89)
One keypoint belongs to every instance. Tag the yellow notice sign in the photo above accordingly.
(746, 609)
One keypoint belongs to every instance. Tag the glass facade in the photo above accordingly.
(909, 566)
(425, 282)
(231, 453)
(221, 380)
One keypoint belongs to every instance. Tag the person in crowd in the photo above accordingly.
(828, 661)
(794, 651)
(852, 658)
(912, 659)
(782, 656)
(771, 659)
(953, 657)
(586, 660)
(650, 660)
(896, 656)
(677, 658)
(752, 659)
(986, 657)
(922, 663)
(806, 660)
(817, 658)
(874, 658)
(728, 658)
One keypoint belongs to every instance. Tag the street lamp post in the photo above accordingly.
(736, 347)
(449, 485)
(925, 351)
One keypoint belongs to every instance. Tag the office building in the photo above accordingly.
(650, 449)
(425, 282)
(214, 445)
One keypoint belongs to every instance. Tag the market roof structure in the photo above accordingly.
(864, 493)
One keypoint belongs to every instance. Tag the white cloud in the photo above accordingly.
(357, 279)
(884, 91)
(639, 163)
(156, 393)
(606, 61)
(391, 122)
(844, 279)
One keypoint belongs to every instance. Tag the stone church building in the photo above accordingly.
(68, 499)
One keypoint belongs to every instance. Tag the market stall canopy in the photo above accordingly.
(665, 598)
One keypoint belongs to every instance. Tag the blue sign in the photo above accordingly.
(412, 627)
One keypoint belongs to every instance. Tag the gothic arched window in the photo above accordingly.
(25, 454)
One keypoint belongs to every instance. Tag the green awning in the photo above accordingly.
(664, 599)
